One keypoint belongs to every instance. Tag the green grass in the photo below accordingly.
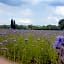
(22, 51)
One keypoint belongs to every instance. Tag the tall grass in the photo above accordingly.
(23, 48)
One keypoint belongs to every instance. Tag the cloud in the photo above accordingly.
(52, 18)
(8, 12)
(27, 12)
(60, 10)
(23, 21)
(57, 13)
(34, 11)
(14, 11)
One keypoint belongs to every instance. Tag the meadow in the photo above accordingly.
(29, 46)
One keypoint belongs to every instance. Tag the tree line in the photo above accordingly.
(13, 25)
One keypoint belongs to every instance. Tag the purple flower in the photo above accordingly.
(59, 45)
(56, 44)
(12, 31)
(60, 38)
(59, 41)
(2, 33)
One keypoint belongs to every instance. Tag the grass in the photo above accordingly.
(22, 48)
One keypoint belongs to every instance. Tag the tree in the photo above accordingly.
(30, 27)
(12, 23)
(61, 24)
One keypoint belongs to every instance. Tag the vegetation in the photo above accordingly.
(28, 47)
(61, 24)
(34, 27)
(31, 46)
(13, 25)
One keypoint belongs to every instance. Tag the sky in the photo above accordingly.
(35, 12)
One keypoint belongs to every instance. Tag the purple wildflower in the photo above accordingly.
(59, 41)
(2, 33)
(60, 38)
(59, 45)
(56, 44)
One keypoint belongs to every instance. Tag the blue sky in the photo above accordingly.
(36, 12)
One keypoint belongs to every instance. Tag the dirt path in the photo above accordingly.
(5, 61)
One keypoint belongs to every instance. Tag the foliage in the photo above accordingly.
(26, 47)
(31, 27)
(61, 24)
(13, 25)
(35, 27)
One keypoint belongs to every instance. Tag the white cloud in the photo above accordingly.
(23, 21)
(52, 18)
(9, 12)
(60, 10)
(23, 13)
(55, 14)
(27, 12)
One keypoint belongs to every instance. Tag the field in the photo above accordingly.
(29, 46)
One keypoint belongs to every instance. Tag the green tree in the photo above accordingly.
(30, 27)
(12, 23)
(61, 24)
